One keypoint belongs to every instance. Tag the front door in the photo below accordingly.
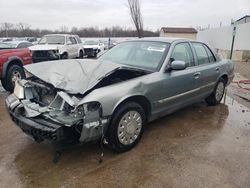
(179, 86)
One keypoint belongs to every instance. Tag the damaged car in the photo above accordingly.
(57, 46)
(115, 96)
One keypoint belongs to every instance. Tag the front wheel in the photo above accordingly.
(64, 56)
(81, 54)
(14, 73)
(217, 95)
(127, 126)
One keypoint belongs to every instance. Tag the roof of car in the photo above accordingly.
(16, 42)
(164, 39)
(59, 35)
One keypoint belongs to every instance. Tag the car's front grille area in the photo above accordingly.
(40, 54)
(44, 55)
(88, 50)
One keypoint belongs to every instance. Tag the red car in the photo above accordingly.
(12, 61)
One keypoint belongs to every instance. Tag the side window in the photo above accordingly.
(201, 53)
(183, 52)
(24, 45)
(210, 54)
(73, 40)
(21, 45)
(78, 39)
(69, 42)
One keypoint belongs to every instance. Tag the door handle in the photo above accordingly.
(217, 69)
(197, 75)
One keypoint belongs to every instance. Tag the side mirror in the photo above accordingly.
(178, 65)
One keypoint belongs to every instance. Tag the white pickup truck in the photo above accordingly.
(57, 46)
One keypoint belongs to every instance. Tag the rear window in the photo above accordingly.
(210, 54)
(201, 53)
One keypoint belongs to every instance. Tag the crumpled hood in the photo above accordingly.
(74, 76)
(39, 47)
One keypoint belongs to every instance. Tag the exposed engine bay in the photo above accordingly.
(41, 100)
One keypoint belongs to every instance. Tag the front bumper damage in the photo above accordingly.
(52, 123)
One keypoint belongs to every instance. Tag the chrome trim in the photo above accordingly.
(208, 85)
(185, 93)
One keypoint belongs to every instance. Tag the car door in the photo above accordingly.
(179, 86)
(69, 47)
(208, 68)
(74, 46)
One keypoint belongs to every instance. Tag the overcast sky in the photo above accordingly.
(52, 14)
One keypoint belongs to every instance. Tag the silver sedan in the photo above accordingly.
(114, 96)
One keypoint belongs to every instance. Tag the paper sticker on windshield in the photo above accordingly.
(156, 48)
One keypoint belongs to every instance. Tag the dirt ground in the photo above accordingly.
(198, 146)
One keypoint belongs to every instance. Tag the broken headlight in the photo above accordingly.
(90, 111)
(93, 106)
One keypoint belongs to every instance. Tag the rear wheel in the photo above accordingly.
(81, 54)
(126, 127)
(14, 73)
(217, 95)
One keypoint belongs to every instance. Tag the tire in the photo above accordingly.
(122, 136)
(81, 54)
(13, 73)
(217, 95)
(64, 56)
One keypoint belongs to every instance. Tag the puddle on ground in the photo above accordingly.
(196, 146)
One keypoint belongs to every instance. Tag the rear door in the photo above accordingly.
(209, 69)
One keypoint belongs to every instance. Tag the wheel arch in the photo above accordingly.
(80, 50)
(64, 52)
(11, 61)
(141, 100)
(224, 76)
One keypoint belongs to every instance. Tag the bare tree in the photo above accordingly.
(6, 27)
(135, 13)
(23, 28)
(64, 29)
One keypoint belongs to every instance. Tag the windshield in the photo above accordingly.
(4, 45)
(142, 54)
(52, 40)
(91, 42)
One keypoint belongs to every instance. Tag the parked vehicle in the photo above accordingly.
(115, 96)
(19, 44)
(93, 47)
(11, 64)
(57, 46)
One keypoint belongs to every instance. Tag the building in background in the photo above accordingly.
(244, 19)
(179, 32)
(221, 39)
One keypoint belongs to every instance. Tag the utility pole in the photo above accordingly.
(232, 46)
